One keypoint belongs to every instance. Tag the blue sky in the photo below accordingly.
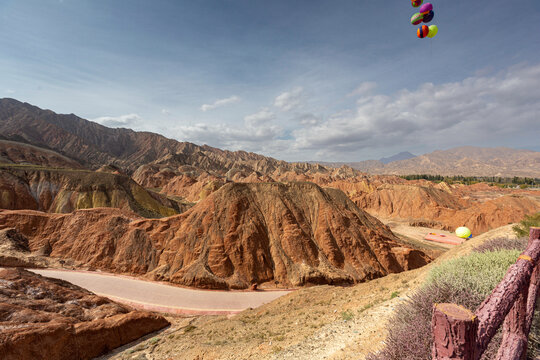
(294, 79)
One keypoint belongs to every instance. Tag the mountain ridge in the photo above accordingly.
(463, 160)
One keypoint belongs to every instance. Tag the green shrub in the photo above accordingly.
(466, 281)
(479, 272)
(522, 229)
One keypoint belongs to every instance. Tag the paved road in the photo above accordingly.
(160, 297)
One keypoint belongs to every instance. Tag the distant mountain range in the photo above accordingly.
(92, 145)
(404, 155)
(465, 160)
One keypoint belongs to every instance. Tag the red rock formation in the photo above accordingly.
(479, 207)
(64, 191)
(292, 235)
(43, 318)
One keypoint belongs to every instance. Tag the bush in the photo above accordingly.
(478, 272)
(522, 229)
(466, 281)
(502, 243)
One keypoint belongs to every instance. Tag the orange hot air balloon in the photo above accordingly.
(422, 31)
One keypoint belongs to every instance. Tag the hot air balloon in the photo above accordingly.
(426, 8)
(428, 17)
(433, 30)
(416, 3)
(463, 232)
(417, 19)
(422, 31)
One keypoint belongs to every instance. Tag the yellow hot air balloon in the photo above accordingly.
(463, 232)
(433, 30)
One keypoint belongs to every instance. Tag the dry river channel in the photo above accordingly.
(160, 297)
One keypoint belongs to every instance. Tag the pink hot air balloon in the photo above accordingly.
(425, 9)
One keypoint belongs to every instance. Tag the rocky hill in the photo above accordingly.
(13, 152)
(268, 233)
(43, 318)
(422, 203)
(66, 190)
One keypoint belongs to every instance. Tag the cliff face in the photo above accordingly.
(44, 318)
(284, 235)
(62, 191)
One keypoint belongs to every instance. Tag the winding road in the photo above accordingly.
(159, 297)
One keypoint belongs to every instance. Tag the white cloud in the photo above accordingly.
(221, 102)
(289, 100)
(260, 118)
(477, 110)
(307, 119)
(495, 110)
(128, 121)
(165, 112)
(256, 134)
(364, 88)
(9, 91)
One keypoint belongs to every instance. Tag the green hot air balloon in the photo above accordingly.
(417, 18)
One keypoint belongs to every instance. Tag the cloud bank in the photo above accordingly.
(500, 109)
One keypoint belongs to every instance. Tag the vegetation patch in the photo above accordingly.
(466, 281)
(522, 229)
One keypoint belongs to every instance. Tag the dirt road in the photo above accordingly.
(164, 298)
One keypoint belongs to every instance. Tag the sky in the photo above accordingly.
(298, 80)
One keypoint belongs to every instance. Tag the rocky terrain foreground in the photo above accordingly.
(315, 323)
(268, 234)
(43, 318)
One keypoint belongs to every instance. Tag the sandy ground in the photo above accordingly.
(165, 298)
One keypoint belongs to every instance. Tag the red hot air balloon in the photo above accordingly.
(422, 31)
(416, 3)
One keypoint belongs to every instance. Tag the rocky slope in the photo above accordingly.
(64, 190)
(13, 152)
(269, 233)
(43, 318)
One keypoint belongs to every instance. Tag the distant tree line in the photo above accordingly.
(523, 182)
